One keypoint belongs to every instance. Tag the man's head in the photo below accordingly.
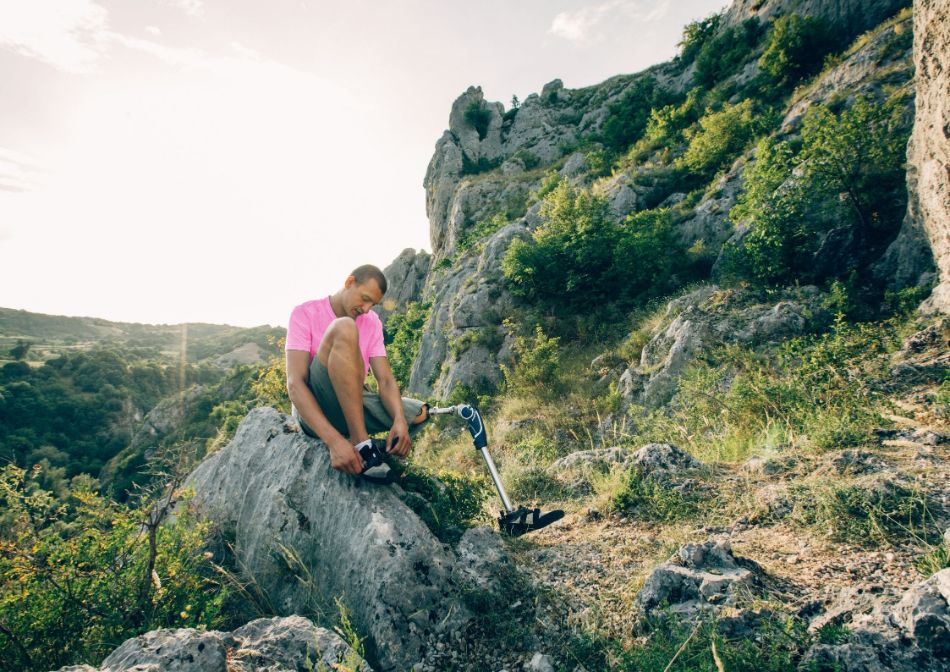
(363, 289)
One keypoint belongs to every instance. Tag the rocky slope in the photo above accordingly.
(489, 161)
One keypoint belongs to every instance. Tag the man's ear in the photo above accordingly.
(349, 281)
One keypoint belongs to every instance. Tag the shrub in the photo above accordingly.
(649, 499)
(667, 123)
(725, 54)
(722, 136)
(537, 364)
(695, 35)
(627, 119)
(796, 47)
(479, 116)
(403, 336)
(448, 503)
(647, 254)
(848, 173)
(75, 579)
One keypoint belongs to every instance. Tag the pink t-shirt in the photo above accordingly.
(309, 321)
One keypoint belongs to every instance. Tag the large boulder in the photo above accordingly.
(265, 645)
(308, 534)
(928, 179)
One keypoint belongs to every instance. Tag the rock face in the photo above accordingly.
(909, 635)
(705, 318)
(309, 534)
(849, 17)
(928, 175)
(406, 276)
(272, 644)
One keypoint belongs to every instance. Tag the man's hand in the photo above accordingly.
(343, 456)
(399, 443)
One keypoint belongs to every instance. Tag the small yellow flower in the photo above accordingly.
(184, 614)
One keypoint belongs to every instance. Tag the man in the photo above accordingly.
(332, 343)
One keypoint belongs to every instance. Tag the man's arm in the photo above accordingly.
(398, 442)
(343, 455)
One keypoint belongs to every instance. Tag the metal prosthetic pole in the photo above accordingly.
(514, 521)
(480, 438)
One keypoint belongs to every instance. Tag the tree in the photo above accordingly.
(796, 48)
(20, 350)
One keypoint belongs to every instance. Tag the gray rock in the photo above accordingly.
(708, 317)
(700, 577)
(592, 459)
(267, 644)
(540, 663)
(664, 460)
(308, 534)
(924, 614)
(482, 559)
(928, 155)
(406, 277)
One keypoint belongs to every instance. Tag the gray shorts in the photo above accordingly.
(377, 418)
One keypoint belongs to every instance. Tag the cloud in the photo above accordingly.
(154, 30)
(584, 25)
(18, 171)
(67, 34)
(190, 7)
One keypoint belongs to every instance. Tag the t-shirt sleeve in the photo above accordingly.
(298, 330)
(376, 346)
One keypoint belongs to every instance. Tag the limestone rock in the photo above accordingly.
(266, 644)
(406, 277)
(664, 460)
(928, 179)
(291, 515)
(698, 578)
(707, 317)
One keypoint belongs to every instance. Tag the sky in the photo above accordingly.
(222, 161)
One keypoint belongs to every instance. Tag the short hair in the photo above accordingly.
(370, 272)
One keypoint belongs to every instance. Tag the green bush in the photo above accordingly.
(649, 499)
(627, 119)
(537, 364)
(723, 55)
(847, 173)
(722, 136)
(695, 35)
(479, 116)
(796, 48)
(579, 258)
(667, 123)
(448, 503)
(75, 580)
(403, 336)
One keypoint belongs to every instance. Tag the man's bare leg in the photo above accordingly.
(340, 353)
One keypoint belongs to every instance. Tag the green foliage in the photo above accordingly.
(627, 119)
(479, 231)
(937, 559)
(722, 136)
(537, 364)
(726, 53)
(74, 577)
(847, 174)
(551, 180)
(20, 350)
(872, 511)
(650, 499)
(667, 123)
(813, 392)
(796, 48)
(403, 335)
(580, 258)
(448, 503)
(695, 35)
(479, 116)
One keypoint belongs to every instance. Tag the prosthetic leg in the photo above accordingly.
(512, 521)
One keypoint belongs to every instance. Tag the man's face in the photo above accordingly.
(359, 298)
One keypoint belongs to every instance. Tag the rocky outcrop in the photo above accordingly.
(699, 578)
(708, 317)
(850, 18)
(909, 635)
(267, 644)
(308, 534)
(406, 277)
(928, 171)
(463, 340)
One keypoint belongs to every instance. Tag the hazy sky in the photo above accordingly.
(224, 160)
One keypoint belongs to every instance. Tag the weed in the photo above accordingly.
(651, 499)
